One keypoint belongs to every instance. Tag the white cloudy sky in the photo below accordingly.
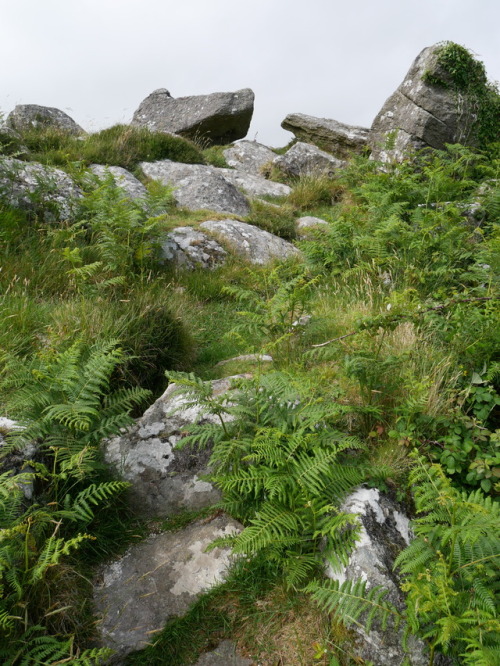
(97, 59)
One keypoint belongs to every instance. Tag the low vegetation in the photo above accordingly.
(386, 371)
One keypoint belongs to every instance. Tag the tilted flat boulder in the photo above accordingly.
(32, 116)
(131, 186)
(254, 186)
(156, 580)
(190, 248)
(304, 159)
(339, 139)
(218, 118)
(165, 480)
(418, 114)
(254, 244)
(38, 189)
(198, 187)
(249, 156)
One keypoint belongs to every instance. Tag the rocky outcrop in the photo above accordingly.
(32, 116)
(164, 479)
(309, 222)
(156, 580)
(254, 186)
(305, 160)
(131, 186)
(385, 531)
(249, 156)
(11, 142)
(339, 139)
(198, 187)
(190, 248)
(254, 244)
(218, 118)
(417, 114)
(38, 189)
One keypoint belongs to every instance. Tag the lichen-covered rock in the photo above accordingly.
(305, 160)
(249, 156)
(254, 186)
(339, 139)
(225, 654)
(156, 580)
(385, 531)
(164, 479)
(32, 116)
(38, 189)
(198, 187)
(309, 222)
(131, 186)
(190, 248)
(217, 118)
(254, 244)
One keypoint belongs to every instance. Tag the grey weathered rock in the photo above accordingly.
(254, 186)
(198, 187)
(418, 114)
(385, 531)
(309, 222)
(249, 156)
(30, 116)
(305, 160)
(254, 244)
(156, 580)
(38, 189)
(190, 248)
(247, 358)
(225, 654)
(11, 142)
(132, 186)
(337, 138)
(217, 118)
(165, 480)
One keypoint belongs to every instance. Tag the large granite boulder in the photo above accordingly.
(131, 186)
(38, 189)
(249, 156)
(304, 159)
(165, 480)
(190, 248)
(254, 244)
(419, 114)
(157, 580)
(254, 186)
(198, 187)
(337, 138)
(218, 118)
(32, 116)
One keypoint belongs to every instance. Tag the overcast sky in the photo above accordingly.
(97, 59)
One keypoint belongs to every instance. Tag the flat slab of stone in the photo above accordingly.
(254, 244)
(303, 159)
(165, 480)
(189, 248)
(131, 186)
(156, 580)
(247, 358)
(225, 654)
(32, 116)
(254, 186)
(198, 187)
(38, 189)
(249, 156)
(218, 118)
(339, 139)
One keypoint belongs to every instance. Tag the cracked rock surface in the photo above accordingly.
(339, 139)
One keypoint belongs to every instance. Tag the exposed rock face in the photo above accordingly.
(249, 156)
(305, 160)
(30, 116)
(165, 480)
(190, 248)
(254, 244)
(417, 114)
(225, 654)
(38, 189)
(308, 221)
(254, 186)
(337, 138)
(385, 532)
(198, 187)
(132, 187)
(156, 580)
(217, 118)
